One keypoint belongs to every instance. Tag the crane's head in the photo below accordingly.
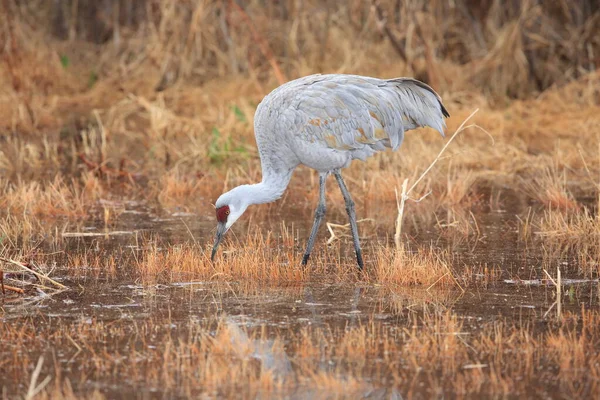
(230, 206)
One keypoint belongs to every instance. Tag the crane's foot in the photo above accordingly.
(305, 259)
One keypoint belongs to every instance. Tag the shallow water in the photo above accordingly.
(520, 294)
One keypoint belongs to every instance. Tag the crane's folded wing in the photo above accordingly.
(346, 112)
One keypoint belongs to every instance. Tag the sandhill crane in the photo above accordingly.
(325, 122)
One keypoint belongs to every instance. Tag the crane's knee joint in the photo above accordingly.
(349, 205)
(320, 212)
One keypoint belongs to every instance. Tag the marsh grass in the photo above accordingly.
(55, 199)
(423, 267)
(550, 188)
(575, 233)
(21, 232)
(177, 190)
(166, 163)
(256, 259)
(130, 134)
(259, 257)
(221, 357)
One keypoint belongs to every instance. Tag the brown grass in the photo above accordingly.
(182, 160)
(258, 259)
(179, 191)
(550, 189)
(425, 267)
(53, 199)
(121, 124)
(496, 360)
(572, 234)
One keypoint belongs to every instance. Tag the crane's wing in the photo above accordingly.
(347, 112)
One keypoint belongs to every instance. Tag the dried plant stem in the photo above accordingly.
(461, 128)
(400, 202)
(34, 388)
(558, 284)
(26, 268)
(346, 227)
(405, 195)
(11, 288)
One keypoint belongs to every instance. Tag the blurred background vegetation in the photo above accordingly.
(503, 48)
(144, 90)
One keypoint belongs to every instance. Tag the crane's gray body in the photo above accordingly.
(326, 121)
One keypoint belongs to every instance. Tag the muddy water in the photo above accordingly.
(516, 294)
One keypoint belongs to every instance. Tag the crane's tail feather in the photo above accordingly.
(445, 112)
(420, 103)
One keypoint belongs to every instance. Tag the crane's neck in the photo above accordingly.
(269, 189)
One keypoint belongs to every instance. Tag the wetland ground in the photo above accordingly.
(122, 122)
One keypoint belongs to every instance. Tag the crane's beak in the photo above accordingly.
(221, 229)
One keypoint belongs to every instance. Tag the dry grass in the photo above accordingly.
(181, 147)
(574, 234)
(179, 191)
(54, 199)
(191, 138)
(425, 267)
(21, 231)
(550, 189)
(188, 168)
(224, 359)
(258, 259)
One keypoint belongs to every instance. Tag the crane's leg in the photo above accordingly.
(319, 214)
(352, 216)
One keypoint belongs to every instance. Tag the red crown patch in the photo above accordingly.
(222, 213)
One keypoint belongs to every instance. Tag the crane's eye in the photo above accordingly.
(222, 214)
